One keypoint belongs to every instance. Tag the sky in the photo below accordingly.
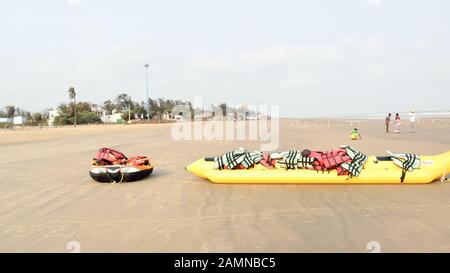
(312, 58)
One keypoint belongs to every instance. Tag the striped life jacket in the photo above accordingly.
(251, 158)
(358, 160)
(295, 160)
(319, 161)
(237, 158)
(408, 162)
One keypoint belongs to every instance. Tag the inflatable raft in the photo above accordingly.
(377, 170)
(110, 165)
(119, 173)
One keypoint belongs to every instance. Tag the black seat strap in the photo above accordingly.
(402, 178)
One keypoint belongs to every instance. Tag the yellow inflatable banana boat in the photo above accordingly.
(377, 170)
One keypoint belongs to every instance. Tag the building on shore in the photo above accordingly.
(19, 120)
(5, 120)
(52, 115)
(172, 116)
(115, 117)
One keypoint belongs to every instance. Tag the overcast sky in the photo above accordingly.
(312, 58)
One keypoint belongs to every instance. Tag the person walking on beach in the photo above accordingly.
(412, 121)
(397, 123)
(387, 121)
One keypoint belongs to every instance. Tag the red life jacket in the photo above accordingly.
(108, 156)
(138, 160)
(318, 162)
(330, 160)
(267, 161)
(333, 158)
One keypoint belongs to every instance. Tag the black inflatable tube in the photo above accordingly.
(127, 177)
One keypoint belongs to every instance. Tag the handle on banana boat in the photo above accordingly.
(383, 158)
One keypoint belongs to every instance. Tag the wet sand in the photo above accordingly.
(48, 198)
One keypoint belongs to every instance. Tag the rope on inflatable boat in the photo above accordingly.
(113, 179)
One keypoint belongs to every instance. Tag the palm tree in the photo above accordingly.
(73, 96)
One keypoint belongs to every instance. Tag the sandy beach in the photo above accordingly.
(48, 198)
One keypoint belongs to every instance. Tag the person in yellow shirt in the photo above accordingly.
(355, 135)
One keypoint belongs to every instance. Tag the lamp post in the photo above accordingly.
(146, 81)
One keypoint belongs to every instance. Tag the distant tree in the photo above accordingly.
(10, 111)
(139, 110)
(37, 118)
(64, 109)
(27, 115)
(223, 108)
(123, 101)
(163, 107)
(46, 115)
(85, 114)
(160, 106)
(191, 108)
(108, 106)
(89, 118)
(73, 96)
(154, 108)
(64, 115)
(18, 112)
(84, 107)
